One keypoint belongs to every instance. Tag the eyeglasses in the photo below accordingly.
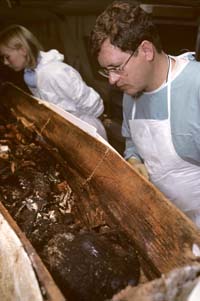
(117, 70)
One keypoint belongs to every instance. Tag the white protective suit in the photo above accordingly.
(62, 85)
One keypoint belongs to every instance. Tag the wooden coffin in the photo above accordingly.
(107, 186)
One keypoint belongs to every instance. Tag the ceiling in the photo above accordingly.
(71, 3)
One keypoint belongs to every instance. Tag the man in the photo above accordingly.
(161, 104)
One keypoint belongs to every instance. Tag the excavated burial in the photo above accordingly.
(87, 263)
(93, 190)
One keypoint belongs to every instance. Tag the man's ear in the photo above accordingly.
(147, 49)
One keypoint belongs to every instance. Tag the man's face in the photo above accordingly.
(125, 70)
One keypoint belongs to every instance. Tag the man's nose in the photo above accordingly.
(113, 78)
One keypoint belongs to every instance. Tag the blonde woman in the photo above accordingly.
(48, 77)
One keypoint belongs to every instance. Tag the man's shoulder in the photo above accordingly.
(193, 64)
(190, 74)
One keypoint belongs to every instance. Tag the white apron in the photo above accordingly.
(176, 178)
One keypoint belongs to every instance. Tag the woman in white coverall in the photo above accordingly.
(48, 77)
(161, 105)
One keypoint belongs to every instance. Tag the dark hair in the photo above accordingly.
(126, 24)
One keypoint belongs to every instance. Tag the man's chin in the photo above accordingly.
(133, 93)
(137, 95)
(129, 91)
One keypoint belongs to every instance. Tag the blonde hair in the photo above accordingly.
(16, 37)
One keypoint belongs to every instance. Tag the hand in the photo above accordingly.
(139, 166)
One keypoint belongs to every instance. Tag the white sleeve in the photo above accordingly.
(68, 85)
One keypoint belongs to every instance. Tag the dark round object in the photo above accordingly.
(90, 266)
